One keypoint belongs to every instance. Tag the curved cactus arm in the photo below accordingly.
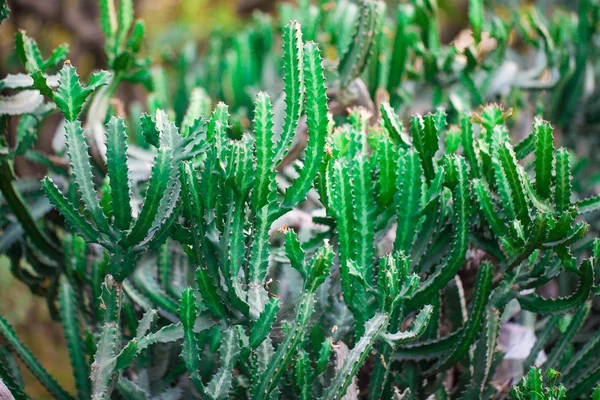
(544, 158)
(31, 362)
(430, 349)
(400, 51)
(163, 190)
(433, 214)
(317, 122)
(131, 390)
(195, 210)
(71, 95)
(144, 281)
(24, 102)
(124, 22)
(26, 49)
(471, 330)
(589, 205)
(435, 190)
(526, 146)
(262, 327)
(68, 210)
(167, 334)
(411, 192)
(339, 187)
(238, 169)
(540, 305)
(468, 143)
(476, 18)
(135, 296)
(460, 223)
(504, 190)
(195, 143)
(134, 347)
(574, 234)
(217, 126)
(265, 167)
(82, 172)
(149, 129)
(295, 253)
(543, 205)
(394, 126)
(387, 161)
(563, 226)
(261, 357)
(157, 188)
(356, 358)
(116, 162)
(219, 386)
(425, 136)
(562, 188)
(538, 233)
(108, 21)
(233, 247)
(303, 375)
(105, 360)
(146, 323)
(270, 378)
(190, 352)
(417, 328)
(70, 321)
(487, 208)
(357, 55)
(364, 206)
(317, 273)
(324, 355)
(509, 165)
(259, 256)
(293, 87)
(381, 373)
(164, 187)
(198, 109)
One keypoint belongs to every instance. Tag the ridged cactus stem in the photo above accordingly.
(104, 365)
(383, 363)
(270, 378)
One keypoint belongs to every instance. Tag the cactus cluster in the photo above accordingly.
(193, 278)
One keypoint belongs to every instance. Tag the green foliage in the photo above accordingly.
(316, 120)
(294, 85)
(305, 243)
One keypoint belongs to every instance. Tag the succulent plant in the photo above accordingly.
(184, 281)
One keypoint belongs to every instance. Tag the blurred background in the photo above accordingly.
(171, 25)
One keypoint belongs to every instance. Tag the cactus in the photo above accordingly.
(267, 235)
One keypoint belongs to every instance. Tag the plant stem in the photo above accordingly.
(383, 363)
(270, 378)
